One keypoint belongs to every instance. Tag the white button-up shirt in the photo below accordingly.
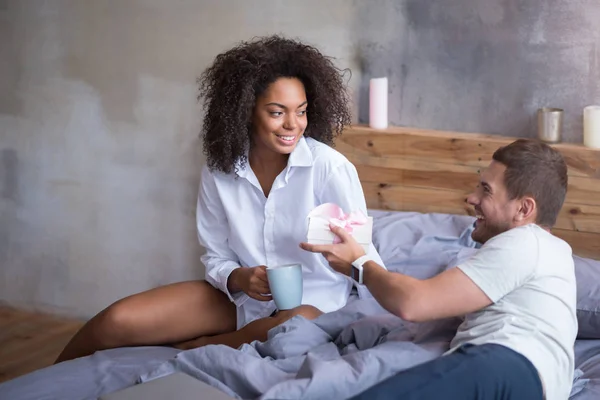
(239, 226)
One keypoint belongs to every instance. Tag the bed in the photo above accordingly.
(415, 182)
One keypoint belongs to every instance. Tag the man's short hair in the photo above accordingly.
(535, 169)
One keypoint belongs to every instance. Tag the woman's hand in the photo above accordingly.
(252, 281)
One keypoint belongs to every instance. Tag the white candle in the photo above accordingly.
(378, 103)
(591, 127)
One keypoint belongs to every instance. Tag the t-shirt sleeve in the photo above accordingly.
(504, 263)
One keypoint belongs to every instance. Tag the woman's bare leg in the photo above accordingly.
(164, 315)
(255, 330)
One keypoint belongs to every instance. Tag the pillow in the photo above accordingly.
(420, 245)
(587, 274)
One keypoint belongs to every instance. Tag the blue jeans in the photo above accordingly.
(488, 371)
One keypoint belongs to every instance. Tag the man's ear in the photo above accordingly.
(527, 209)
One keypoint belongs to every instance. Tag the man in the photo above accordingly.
(517, 292)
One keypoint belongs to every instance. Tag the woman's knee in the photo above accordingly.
(115, 325)
(305, 310)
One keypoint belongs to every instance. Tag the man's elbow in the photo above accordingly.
(411, 312)
(408, 315)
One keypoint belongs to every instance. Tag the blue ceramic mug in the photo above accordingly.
(285, 282)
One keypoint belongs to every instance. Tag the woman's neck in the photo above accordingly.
(266, 165)
(263, 159)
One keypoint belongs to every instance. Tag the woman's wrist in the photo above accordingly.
(233, 281)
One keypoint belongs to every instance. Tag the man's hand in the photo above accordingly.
(252, 281)
(340, 255)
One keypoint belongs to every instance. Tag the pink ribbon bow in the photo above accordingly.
(336, 217)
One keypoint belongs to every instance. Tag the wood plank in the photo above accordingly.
(382, 196)
(584, 191)
(418, 164)
(8, 319)
(20, 324)
(441, 149)
(440, 179)
(584, 244)
(31, 340)
(450, 147)
(38, 350)
(409, 198)
(27, 333)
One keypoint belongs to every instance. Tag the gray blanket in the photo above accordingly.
(336, 356)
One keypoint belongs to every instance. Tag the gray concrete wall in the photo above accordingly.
(99, 156)
(482, 65)
(99, 149)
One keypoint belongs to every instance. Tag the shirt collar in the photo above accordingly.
(300, 157)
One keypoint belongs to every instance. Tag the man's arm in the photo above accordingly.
(451, 293)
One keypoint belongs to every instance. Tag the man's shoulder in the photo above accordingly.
(545, 240)
(529, 244)
(522, 236)
(512, 248)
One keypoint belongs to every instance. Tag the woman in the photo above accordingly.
(272, 106)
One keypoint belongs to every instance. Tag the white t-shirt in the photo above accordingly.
(239, 226)
(529, 276)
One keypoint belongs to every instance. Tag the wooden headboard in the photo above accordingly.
(409, 169)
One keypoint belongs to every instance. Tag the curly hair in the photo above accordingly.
(239, 76)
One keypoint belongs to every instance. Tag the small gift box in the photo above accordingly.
(355, 223)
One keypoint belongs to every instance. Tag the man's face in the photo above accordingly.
(495, 212)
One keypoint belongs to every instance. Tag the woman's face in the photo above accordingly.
(279, 118)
